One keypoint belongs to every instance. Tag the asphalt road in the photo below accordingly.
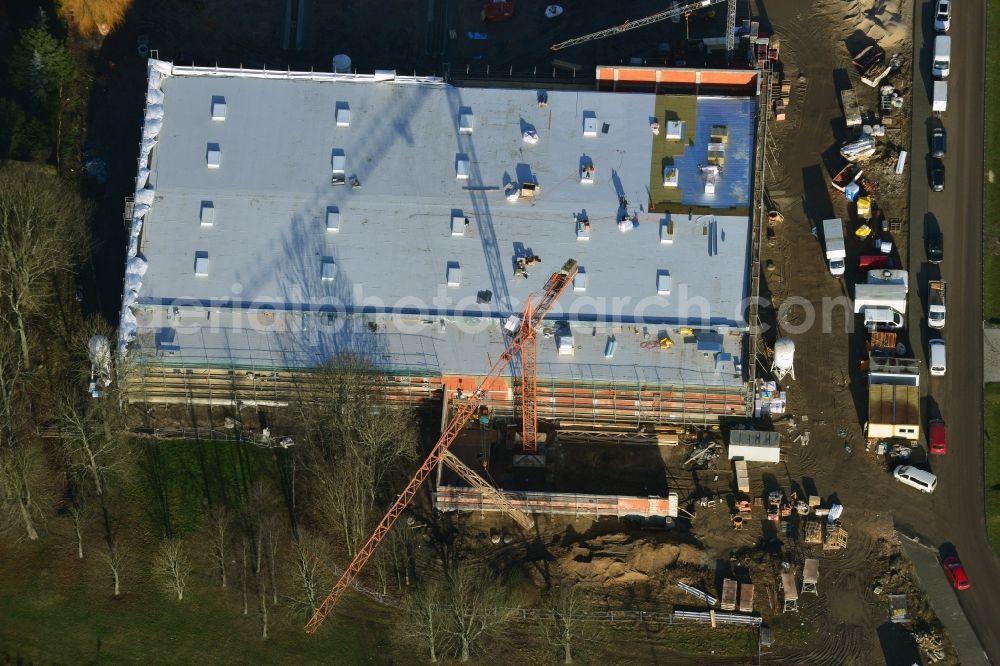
(958, 503)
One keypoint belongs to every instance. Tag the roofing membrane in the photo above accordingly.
(340, 198)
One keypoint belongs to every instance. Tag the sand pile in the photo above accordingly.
(880, 20)
(617, 559)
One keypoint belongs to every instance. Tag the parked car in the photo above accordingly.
(936, 437)
(942, 15)
(935, 248)
(937, 175)
(923, 481)
(956, 572)
(938, 143)
(938, 364)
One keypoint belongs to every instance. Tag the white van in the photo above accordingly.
(917, 478)
(883, 318)
(942, 57)
(936, 358)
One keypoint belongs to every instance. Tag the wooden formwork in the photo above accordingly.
(746, 598)
(812, 531)
(729, 591)
(836, 538)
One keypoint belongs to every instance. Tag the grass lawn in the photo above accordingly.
(992, 443)
(58, 610)
(991, 220)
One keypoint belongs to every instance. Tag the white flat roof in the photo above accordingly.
(396, 243)
(395, 239)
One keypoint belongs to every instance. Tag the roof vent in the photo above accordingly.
(332, 219)
(218, 107)
(580, 281)
(671, 176)
(328, 270)
(213, 156)
(663, 282)
(564, 340)
(462, 167)
(201, 263)
(589, 123)
(207, 213)
(343, 114)
(667, 232)
(466, 121)
(454, 274)
(338, 165)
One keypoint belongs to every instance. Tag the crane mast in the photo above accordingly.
(639, 23)
(529, 388)
(530, 319)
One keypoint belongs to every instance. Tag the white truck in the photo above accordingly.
(936, 291)
(941, 65)
(836, 250)
(939, 100)
(880, 296)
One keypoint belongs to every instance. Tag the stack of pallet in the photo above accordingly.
(781, 91)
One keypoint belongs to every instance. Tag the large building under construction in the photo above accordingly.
(283, 218)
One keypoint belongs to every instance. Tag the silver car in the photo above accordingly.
(942, 15)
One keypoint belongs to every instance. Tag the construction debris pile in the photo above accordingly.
(931, 645)
(618, 559)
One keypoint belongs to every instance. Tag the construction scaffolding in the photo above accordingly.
(452, 498)
(578, 404)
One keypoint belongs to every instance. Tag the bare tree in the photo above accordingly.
(272, 541)
(219, 528)
(309, 572)
(116, 558)
(172, 567)
(79, 515)
(562, 628)
(245, 572)
(257, 546)
(20, 472)
(94, 447)
(391, 563)
(424, 618)
(21, 468)
(478, 606)
(41, 236)
(360, 446)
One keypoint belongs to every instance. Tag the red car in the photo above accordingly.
(956, 573)
(936, 437)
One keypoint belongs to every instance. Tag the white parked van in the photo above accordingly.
(916, 478)
(942, 57)
(936, 358)
(883, 318)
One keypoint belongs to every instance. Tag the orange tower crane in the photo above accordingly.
(520, 329)
(529, 386)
